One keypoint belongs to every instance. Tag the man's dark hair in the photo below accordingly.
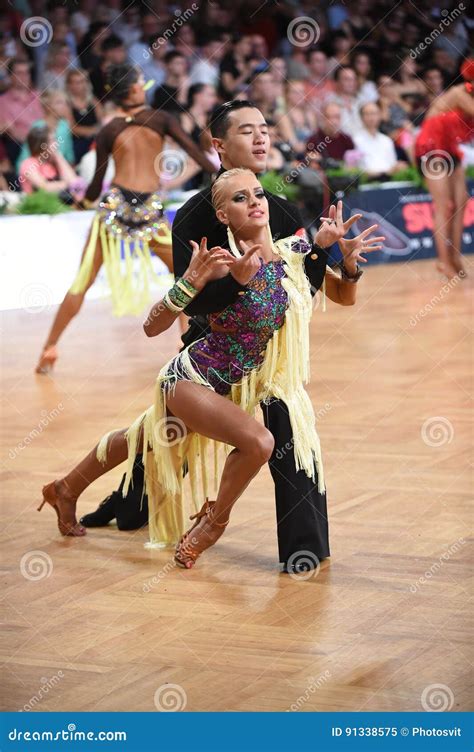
(219, 121)
(339, 69)
(113, 42)
(172, 55)
(120, 79)
(14, 61)
(429, 68)
(312, 51)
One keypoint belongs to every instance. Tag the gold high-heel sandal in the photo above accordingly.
(186, 552)
(47, 360)
(66, 527)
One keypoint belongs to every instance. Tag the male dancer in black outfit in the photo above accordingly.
(240, 135)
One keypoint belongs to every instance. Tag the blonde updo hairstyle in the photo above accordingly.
(220, 184)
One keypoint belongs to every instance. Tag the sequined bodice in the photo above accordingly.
(240, 333)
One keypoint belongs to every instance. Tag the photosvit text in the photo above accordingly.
(393, 731)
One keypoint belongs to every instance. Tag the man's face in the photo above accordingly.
(116, 56)
(332, 119)
(150, 25)
(178, 66)
(246, 143)
(318, 64)
(263, 88)
(434, 81)
(347, 82)
(21, 76)
(371, 116)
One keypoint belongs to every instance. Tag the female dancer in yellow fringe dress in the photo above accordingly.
(130, 215)
(258, 348)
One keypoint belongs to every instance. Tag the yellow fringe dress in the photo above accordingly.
(126, 224)
(258, 349)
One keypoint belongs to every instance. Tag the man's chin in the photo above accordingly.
(258, 166)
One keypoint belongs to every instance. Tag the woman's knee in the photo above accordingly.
(262, 445)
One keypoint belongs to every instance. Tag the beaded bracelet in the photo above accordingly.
(170, 305)
(186, 284)
(180, 295)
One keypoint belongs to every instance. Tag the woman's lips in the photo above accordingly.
(256, 213)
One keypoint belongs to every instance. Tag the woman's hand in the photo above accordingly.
(245, 268)
(206, 265)
(352, 248)
(333, 228)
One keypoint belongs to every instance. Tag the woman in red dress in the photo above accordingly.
(449, 122)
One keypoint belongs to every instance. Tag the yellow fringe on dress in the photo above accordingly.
(284, 371)
(128, 277)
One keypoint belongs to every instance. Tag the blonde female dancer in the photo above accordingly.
(129, 220)
(257, 348)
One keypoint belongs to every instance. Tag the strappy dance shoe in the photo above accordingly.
(47, 360)
(189, 547)
(67, 522)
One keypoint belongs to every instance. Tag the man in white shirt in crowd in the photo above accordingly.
(207, 69)
(347, 96)
(139, 52)
(378, 154)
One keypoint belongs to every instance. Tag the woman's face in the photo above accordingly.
(207, 98)
(296, 93)
(77, 85)
(57, 105)
(244, 207)
(362, 65)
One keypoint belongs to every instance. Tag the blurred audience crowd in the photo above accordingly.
(342, 83)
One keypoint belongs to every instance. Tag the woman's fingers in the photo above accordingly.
(339, 213)
(349, 222)
(366, 232)
(378, 239)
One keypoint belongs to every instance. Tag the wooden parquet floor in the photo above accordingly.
(102, 623)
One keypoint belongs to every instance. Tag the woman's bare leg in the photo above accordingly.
(212, 415)
(64, 493)
(458, 180)
(69, 308)
(441, 194)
